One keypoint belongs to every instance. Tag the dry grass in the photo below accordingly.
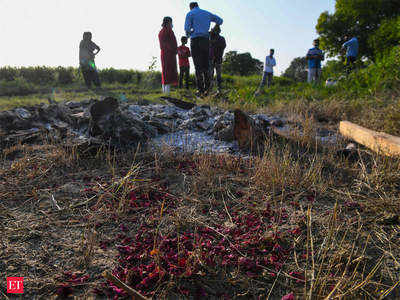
(295, 220)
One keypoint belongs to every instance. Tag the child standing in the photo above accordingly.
(184, 65)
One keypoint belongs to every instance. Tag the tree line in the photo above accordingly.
(376, 24)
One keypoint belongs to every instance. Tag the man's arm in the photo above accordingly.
(273, 62)
(267, 62)
(96, 48)
(345, 45)
(217, 20)
(188, 24)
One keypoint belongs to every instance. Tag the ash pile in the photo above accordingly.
(120, 124)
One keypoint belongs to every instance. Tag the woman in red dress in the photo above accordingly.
(169, 50)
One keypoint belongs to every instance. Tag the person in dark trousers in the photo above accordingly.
(314, 58)
(351, 47)
(197, 25)
(87, 51)
(217, 48)
(184, 65)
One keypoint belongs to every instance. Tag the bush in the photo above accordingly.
(8, 73)
(151, 80)
(283, 81)
(65, 75)
(242, 64)
(378, 76)
(119, 76)
(333, 69)
(18, 87)
(297, 70)
(112, 76)
(38, 75)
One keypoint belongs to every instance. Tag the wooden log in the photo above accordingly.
(130, 291)
(379, 142)
(178, 103)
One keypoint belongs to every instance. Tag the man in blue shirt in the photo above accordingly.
(197, 25)
(314, 58)
(351, 47)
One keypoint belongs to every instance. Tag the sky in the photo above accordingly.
(48, 32)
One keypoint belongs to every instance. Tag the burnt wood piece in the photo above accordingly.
(245, 130)
(178, 103)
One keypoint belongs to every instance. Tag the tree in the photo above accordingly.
(297, 69)
(360, 18)
(386, 37)
(240, 64)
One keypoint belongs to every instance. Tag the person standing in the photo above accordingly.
(268, 73)
(197, 25)
(87, 51)
(184, 65)
(169, 50)
(217, 48)
(351, 47)
(314, 58)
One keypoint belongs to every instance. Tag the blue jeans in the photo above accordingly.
(267, 77)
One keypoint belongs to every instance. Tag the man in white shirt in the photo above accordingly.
(268, 73)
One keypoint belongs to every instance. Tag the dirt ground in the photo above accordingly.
(295, 222)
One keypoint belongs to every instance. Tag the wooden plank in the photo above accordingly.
(379, 142)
